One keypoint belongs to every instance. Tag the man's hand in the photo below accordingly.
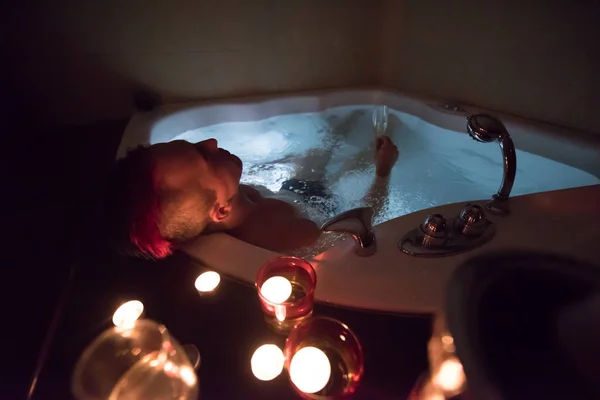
(386, 155)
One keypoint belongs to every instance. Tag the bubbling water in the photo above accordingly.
(335, 147)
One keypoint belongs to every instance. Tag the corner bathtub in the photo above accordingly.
(548, 158)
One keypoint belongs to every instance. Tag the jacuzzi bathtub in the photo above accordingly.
(390, 280)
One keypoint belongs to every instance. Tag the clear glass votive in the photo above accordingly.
(445, 378)
(324, 359)
(286, 287)
(139, 362)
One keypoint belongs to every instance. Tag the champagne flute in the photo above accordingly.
(140, 361)
(380, 120)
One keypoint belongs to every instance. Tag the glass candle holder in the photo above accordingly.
(324, 359)
(141, 361)
(445, 378)
(286, 287)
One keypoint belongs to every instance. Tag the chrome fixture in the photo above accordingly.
(434, 230)
(485, 129)
(358, 224)
(452, 107)
(438, 236)
(471, 220)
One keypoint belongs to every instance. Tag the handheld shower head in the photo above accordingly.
(485, 128)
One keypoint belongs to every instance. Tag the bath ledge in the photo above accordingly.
(567, 146)
(563, 221)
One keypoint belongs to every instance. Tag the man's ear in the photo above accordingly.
(219, 212)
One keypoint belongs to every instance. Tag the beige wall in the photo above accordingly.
(79, 61)
(539, 59)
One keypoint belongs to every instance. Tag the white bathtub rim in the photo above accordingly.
(391, 281)
(570, 147)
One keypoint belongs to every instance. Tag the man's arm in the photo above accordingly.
(377, 195)
(275, 225)
(386, 155)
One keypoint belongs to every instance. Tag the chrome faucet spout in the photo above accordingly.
(485, 129)
(358, 224)
(510, 166)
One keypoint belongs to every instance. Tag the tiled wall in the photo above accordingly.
(80, 60)
(539, 59)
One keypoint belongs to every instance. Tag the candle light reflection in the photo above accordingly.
(280, 313)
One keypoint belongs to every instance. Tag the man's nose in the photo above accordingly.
(209, 145)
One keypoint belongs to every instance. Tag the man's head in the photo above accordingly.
(170, 192)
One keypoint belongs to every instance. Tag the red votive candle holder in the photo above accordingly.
(324, 359)
(286, 287)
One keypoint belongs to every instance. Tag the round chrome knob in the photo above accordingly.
(471, 220)
(434, 225)
(434, 230)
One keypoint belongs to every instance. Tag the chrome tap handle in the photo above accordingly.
(358, 224)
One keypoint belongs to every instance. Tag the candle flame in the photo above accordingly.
(310, 369)
(207, 281)
(267, 362)
(127, 313)
(450, 377)
(276, 289)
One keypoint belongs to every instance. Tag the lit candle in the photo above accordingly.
(187, 375)
(267, 362)
(127, 314)
(207, 281)
(450, 377)
(276, 289)
(310, 370)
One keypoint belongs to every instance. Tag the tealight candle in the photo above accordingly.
(323, 358)
(310, 369)
(267, 362)
(276, 289)
(285, 287)
(450, 377)
(207, 281)
(127, 313)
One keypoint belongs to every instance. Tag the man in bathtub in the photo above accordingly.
(171, 192)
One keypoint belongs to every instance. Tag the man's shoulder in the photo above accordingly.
(286, 196)
(257, 189)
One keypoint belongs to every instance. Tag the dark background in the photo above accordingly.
(54, 181)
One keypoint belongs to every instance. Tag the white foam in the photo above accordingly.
(436, 166)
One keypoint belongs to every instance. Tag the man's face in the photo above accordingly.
(184, 169)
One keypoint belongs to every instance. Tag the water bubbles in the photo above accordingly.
(270, 176)
(436, 166)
